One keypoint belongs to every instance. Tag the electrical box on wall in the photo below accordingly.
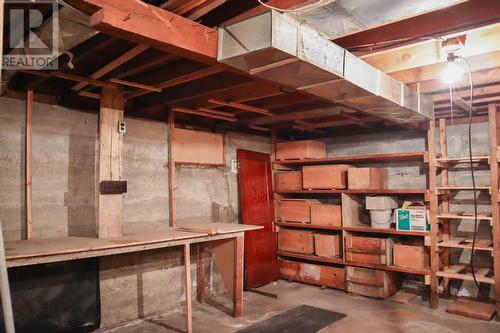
(122, 127)
(234, 166)
(113, 186)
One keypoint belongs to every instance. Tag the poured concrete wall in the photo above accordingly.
(65, 149)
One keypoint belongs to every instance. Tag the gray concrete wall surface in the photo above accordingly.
(65, 156)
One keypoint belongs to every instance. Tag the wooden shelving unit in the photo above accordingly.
(442, 217)
(352, 202)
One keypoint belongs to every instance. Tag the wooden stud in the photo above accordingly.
(187, 281)
(201, 274)
(171, 170)
(29, 164)
(494, 125)
(238, 276)
(110, 162)
(433, 202)
(445, 206)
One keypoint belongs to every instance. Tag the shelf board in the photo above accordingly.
(463, 216)
(408, 156)
(421, 271)
(311, 257)
(386, 191)
(307, 226)
(447, 161)
(466, 243)
(463, 188)
(460, 272)
(385, 231)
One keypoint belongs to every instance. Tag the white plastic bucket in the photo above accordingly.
(381, 219)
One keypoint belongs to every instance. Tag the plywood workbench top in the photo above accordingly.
(37, 251)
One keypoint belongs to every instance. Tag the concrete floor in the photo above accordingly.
(363, 314)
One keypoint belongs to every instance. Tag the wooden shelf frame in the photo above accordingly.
(386, 191)
(312, 257)
(391, 231)
(466, 243)
(307, 226)
(460, 272)
(393, 157)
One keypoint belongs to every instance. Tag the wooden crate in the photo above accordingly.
(288, 181)
(325, 177)
(296, 241)
(368, 250)
(411, 256)
(326, 215)
(300, 149)
(327, 245)
(372, 282)
(367, 179)
(295, 210)
(320, 275)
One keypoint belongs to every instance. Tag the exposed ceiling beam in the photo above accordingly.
(203, 114)
(70, 77)
(241, 106)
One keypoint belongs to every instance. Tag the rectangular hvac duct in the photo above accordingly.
(277, 48)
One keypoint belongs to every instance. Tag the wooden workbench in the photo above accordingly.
(216, 236)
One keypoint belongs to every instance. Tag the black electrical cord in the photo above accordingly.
(471, 164)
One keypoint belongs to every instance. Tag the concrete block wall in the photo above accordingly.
(65, 149)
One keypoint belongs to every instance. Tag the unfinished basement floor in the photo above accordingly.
(363, 314)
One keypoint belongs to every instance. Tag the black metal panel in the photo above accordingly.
(56, 298)
(113, 186)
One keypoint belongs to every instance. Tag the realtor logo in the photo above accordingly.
(33, 35)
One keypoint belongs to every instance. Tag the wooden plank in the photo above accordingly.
(135, 85)
(201, 273)
(29, 164)
(241, 106)
(494, 125)
(433, 210)
(71, 77)
(112, 65)
(187, 283)
(152, 26)
(238, 276)
(171, 171)
(403, 297)
(472, 309)
(203, 114)
(110, 162)
(198, 147)
(445, 206)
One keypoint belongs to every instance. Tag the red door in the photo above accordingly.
(257, 208)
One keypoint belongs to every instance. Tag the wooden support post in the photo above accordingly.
(239, 244)
(29, 164)
(433, 202)
(171, 170)
(187, 278)
(110, 162)
(445, 203)
(494, 124)
(201, 274)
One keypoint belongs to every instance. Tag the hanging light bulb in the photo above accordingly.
(453, 72)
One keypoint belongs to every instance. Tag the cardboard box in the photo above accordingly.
(295, 210)
(368, 250)
(327, 245)
(411, 256)
(367, 179)
(288, 181)
(325, 177)
(320, 275)
(412, 219)
(380, 203)
(296, 241)
(326, 214)
(372, 282)
(300, 149)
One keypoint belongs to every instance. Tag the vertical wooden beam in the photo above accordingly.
(110, 162)
(239, 244)
(187, 279)
(171, 170)
(445, 202)
(29, 164)
(494, 124)
(431, 149)
(201, 274)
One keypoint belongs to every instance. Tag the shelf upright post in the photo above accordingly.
(433, 203)
(445, 203)
(494, 123)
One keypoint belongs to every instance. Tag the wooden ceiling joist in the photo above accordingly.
(70, 77)
(241, 106)
(203, 114)
(220, 113)
(135, 85)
